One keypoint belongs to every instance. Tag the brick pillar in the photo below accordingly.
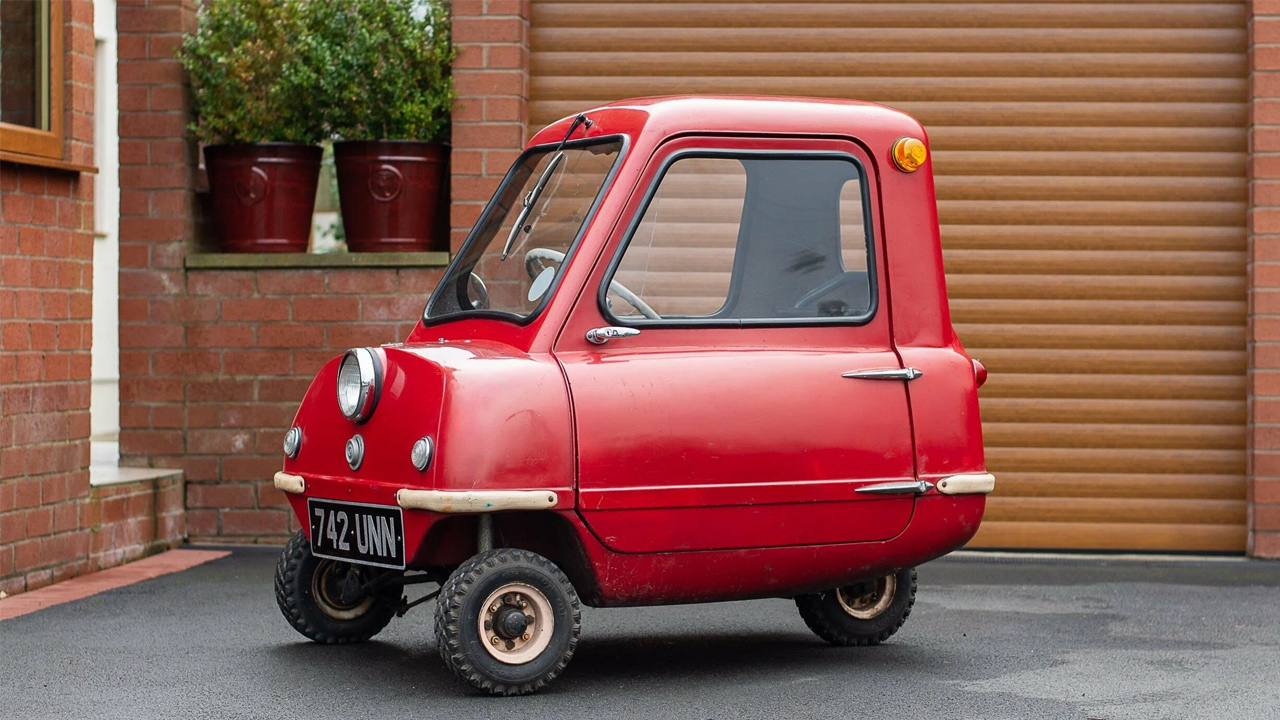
(1264, 279)
(157, 169)
(491, 77)
(46, 291)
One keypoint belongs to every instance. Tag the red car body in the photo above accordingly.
(686, 463)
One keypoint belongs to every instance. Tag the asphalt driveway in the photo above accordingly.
(988, 639)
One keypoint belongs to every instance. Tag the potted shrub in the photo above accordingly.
(386, 96)
(256, 115)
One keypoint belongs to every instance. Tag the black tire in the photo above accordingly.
(467, 593)
(827, 617)
(299, 574)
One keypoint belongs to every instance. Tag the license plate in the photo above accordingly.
(358, 533)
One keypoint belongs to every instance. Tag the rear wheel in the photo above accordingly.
(327, 600)
(507, 621)
(864, 613)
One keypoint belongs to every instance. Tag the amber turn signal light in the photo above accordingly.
(909, 154)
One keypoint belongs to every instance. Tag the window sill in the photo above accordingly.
(107, 475)
(271, 261)
(44, 162)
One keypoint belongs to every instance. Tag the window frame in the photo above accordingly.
(868, 224)
(19, 140)
(492, 206)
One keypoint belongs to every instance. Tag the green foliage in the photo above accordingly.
(385, 67)
(249, 82)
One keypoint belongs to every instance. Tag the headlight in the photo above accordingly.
(359, 382)
(292, 442)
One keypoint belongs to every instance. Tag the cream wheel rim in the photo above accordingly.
(872, 604)
(321, 583)
(539, 622)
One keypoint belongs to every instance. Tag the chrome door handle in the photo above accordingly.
(602, 335)
(914, 487)
(893, 374)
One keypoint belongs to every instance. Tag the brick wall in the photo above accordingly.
(1264, 279)
(491, 77)
(157, 181)
(254, 341)
(213, 363)
(134, 519)
(46, 276)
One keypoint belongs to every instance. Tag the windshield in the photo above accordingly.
(509, 268)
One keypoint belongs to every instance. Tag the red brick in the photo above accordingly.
(254, 522)
(487, 30)
(291, 282)
(291, 336)
(259, 362)
(1266, 545)
(220, 283)
(220, 496)
(256, 309)
(325, 309)
(362, 281)
(221, 336)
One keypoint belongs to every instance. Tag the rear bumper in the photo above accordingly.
(967, 484)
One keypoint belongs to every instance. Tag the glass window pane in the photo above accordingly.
(680, 258)
(24, 63)
(748, 238)
(509, 269)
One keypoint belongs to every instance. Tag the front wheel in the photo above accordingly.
(329, 601)
(507, 621)
(864, 613)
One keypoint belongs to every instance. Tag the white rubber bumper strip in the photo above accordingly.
(971, 484)
(293, 484)
(475, 501)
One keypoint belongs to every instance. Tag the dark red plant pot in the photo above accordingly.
(263, 195)
(391, 194)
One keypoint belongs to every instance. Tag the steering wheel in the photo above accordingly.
(535, 261)
(821, 291)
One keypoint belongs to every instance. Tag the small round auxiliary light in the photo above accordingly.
(355, 452)
(909, 154)
(421, 454)
(292, 442)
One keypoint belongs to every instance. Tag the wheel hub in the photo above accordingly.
(510, 622)
(516, 623)
(335, 587)
(868, 600)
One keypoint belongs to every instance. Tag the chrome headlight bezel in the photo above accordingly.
(359, 383)
(293, 442)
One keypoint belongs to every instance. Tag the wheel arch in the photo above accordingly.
(453, 540)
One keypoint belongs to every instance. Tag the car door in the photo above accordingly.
(730, 361)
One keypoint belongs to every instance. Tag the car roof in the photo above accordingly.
(675, 114)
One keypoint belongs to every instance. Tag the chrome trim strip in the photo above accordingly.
(913, 487)
(967, 484)
(292, 484)
(475, 501)
(890, 374)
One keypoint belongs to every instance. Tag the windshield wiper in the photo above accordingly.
(531, 198)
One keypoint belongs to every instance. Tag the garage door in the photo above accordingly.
(1090, 172)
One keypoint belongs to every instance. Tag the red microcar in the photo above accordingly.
(695, 349)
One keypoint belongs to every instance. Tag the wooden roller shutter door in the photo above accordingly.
(1090, 172)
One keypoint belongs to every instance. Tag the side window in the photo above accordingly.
(729, 239)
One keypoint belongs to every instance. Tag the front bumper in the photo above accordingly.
(447, 501)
